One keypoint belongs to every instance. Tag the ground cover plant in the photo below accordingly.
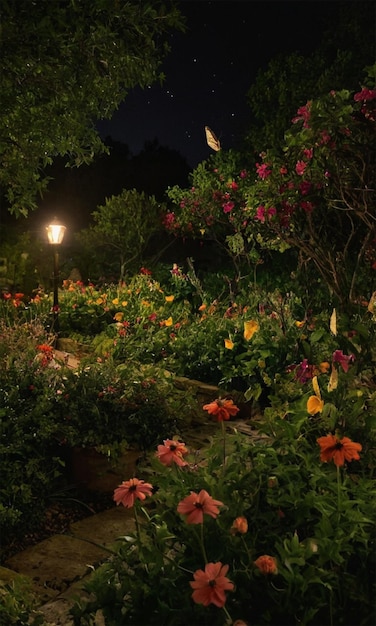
(274, 529)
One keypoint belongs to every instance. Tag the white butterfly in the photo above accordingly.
(212, 140)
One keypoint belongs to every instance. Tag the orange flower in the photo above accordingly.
(250, 327)
(240, 525)
(169, 298)
(338, 450)
(222, 409)
(196, 505)
(210, 585)
(202, 307)
(131, 490)
(324, 367)
(267, 564)
(229, 344)
(172, 452)
(314, 405)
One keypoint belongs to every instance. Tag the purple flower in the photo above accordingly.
(343, 359)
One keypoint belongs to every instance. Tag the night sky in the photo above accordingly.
(210, 69)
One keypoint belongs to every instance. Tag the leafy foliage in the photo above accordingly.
(63, 67)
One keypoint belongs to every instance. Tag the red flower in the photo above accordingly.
(210, 585)
(222, 409)
(172, 452)
(195, 505)
(266, 564)
(338, 450)
(145, 271)
(131, 490)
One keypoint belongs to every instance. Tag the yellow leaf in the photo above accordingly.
(333, 322)
(250, 327)
(229, 344)
(316, 387)
(333, 380)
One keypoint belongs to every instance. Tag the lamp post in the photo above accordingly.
(55, 233)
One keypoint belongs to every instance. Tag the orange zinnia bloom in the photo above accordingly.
(131, 490)
(222, 409)
(195, 505)
(240, 525)
(267, 564)
(210, 585)
(172, 452)
(338, 450)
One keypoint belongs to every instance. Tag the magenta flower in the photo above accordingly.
(260, 213)
(303, 113)
(228, 206)
(300, 168)
(365, 94)
(305, 187)
(343, 359)
(263, 170)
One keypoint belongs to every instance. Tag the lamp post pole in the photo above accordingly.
(55, 308)
(55, 234)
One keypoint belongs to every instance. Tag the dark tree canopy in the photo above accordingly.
(64, 65)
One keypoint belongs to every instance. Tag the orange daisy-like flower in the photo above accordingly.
(338, 450)
(131, 490)
(172, 452)
(198, 504)
(222, 409)
(267, 564)
(210, 585)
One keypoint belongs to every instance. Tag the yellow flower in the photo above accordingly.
(250, 327)
(229, 344)
(169, 298)
(118, 316)
(299, 324)
(99, 301)
(145, 303)
(202, 307)
(314, 405)
(168, 321)
(115, 301)
(124, 303)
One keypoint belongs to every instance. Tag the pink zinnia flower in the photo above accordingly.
(131, 490)
(172, 452)
(210, 585)
(303, 113)
(198, 504)
(260, 213)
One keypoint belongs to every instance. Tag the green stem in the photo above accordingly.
(224, 444)
(202, 543)
(137, 525)
(338, 493)
(227, 615)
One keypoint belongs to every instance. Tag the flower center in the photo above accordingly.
(173, 448)
(338, 445)
(212, 583)
(198, 505)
